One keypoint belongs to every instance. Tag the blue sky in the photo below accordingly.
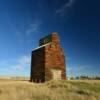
(24, 22)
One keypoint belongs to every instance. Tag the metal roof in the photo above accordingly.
(42, 46)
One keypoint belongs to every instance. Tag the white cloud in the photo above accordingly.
(17, 66)
(24, 60)
(65, 8)
(25, 31)
(79, 70)
(33, 28)
(22, 63)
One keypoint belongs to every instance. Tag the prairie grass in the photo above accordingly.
(52, 90)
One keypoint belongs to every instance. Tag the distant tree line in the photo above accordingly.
(88, 77)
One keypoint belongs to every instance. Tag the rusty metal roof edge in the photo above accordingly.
(42, 46)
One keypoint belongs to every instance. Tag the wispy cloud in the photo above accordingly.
(26, 30)
(79, 70)
(33, 27)
(24, 60)
(18, 66)
(65, 8)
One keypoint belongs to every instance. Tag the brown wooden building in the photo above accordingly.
(48, 60)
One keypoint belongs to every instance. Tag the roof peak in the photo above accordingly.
(54, 33)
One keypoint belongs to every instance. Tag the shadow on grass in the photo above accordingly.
(82, 92)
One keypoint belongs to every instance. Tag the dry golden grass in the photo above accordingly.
(53, 90)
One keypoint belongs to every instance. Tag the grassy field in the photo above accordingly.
(53, 90)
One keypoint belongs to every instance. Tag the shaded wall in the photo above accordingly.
(38, 65)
